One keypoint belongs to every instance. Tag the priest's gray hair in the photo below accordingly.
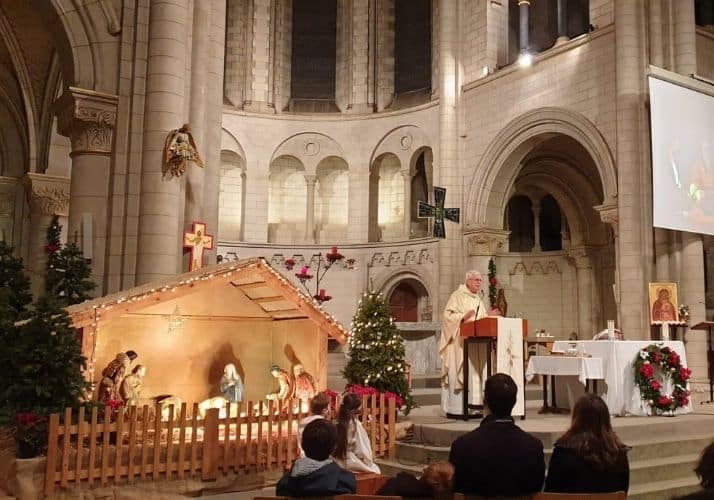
(472, 274)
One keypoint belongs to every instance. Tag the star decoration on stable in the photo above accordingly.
(196, 241)
(438, 212)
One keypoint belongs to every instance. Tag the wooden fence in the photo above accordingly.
(139, 443)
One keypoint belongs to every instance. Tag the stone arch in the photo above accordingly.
(231, 196)
(309, 148)
(498, 167)
(229, 142)
(403, 142)
(386, 283)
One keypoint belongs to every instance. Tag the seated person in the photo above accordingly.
(354, 449)
(319, 408)
(316, 474)
(498, 458)
(705, 471)
(436, 481)
(589, 457)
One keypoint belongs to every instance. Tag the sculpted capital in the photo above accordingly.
(486, 241)
(88, 118)
(47, 194)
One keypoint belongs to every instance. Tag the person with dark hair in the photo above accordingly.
(436, 481)
(316, 474)
(498, 458)
(705, 472)
(353, 450)
(319, 408)
(589, 457)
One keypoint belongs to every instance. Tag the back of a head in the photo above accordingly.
(350, 404)
(591, 431)
(318, 439)
(500, 393)
(319, 403)
(705, 467)
(440, 477)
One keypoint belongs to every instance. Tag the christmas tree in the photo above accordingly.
(68, 272)
(15, 284)
(377, 350)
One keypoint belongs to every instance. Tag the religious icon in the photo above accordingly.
(231, 384)
(179, 149)
(304, 383)
(131, 386)
(663, 303)
(113, 376)
(438, 212)
(197, 240)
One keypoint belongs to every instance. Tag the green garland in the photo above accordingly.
(647, 362)
(492, 283)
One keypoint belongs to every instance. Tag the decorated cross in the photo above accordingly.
(438, 212)
(197, 241)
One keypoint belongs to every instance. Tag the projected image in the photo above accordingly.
(682, 158)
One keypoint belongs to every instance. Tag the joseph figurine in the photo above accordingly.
(464, 305)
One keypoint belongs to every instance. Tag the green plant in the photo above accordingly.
(492, 283)
(14, 282)
(377, 350)
(68, 272)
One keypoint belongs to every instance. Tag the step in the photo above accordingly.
(427, 396)
(429, 380)
(663, 490)
(663, 468)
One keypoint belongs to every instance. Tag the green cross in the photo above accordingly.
(438, 212)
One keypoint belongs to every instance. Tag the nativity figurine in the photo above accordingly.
(130, 390)
(305, 388)
(179, 149)
(231, 384)
(285, 385)
(113, 375)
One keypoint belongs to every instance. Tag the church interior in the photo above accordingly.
(322, 126)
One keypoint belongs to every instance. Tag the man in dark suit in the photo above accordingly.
(498, 458)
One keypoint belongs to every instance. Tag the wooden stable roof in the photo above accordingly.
(256, 291)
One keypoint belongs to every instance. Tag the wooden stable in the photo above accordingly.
(93, 450)
(185, 329)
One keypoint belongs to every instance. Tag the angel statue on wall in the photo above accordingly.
(179, 149)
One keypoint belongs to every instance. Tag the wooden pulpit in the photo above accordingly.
(708, 326)
(485, 327)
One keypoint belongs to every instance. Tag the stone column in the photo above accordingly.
(384, 80)
(685, 38)
(197, 111)
(536, 228)
(47, 195)
(481, 245)
(160, 220)
(584, 276)
(608, 214)
(656, 37)
(88, 119)
(449, 175)
(310, 209)
(406, 174)
(562, 11)
(524, 7)
(260, 75)
(635, 239)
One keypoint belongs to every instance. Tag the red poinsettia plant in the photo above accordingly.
(657, 358)
(361, 390)
(31, 430)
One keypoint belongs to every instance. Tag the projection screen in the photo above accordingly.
(682, 125)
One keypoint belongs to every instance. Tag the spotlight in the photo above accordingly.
(525, 59)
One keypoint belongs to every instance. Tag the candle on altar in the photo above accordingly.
(303, 270)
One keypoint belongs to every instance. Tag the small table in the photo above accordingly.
(586, 369)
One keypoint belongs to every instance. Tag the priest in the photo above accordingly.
(465, 304)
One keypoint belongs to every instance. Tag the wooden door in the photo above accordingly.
(403, 303)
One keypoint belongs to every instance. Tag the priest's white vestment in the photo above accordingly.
(451, 351)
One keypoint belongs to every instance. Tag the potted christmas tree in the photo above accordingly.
(376, 363)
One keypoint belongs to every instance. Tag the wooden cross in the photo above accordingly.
(438, 212)
(197, 240)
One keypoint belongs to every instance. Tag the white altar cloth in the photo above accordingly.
(621, 394)
(583, 368)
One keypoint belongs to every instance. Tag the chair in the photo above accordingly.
(618, 495)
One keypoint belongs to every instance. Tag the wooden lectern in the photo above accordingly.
(482, 331)
(708, 326)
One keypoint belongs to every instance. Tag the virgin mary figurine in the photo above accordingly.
(231, 384)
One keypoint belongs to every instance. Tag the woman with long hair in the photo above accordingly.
(589, 457)
(353, 451)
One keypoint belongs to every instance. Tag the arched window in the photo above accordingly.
(420, 192)
(231, 197)
(314, 55)
(704, 12)
(412, 45)
(550, 225)
(519, 215)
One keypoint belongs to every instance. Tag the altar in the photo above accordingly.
(620, 392)
(421, 346)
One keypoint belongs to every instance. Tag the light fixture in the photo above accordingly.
(485, 71)
(525, 59)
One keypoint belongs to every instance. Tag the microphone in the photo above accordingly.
(478, 307)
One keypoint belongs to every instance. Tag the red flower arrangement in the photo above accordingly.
(668, 362)
(361, 391)
(30, 434)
